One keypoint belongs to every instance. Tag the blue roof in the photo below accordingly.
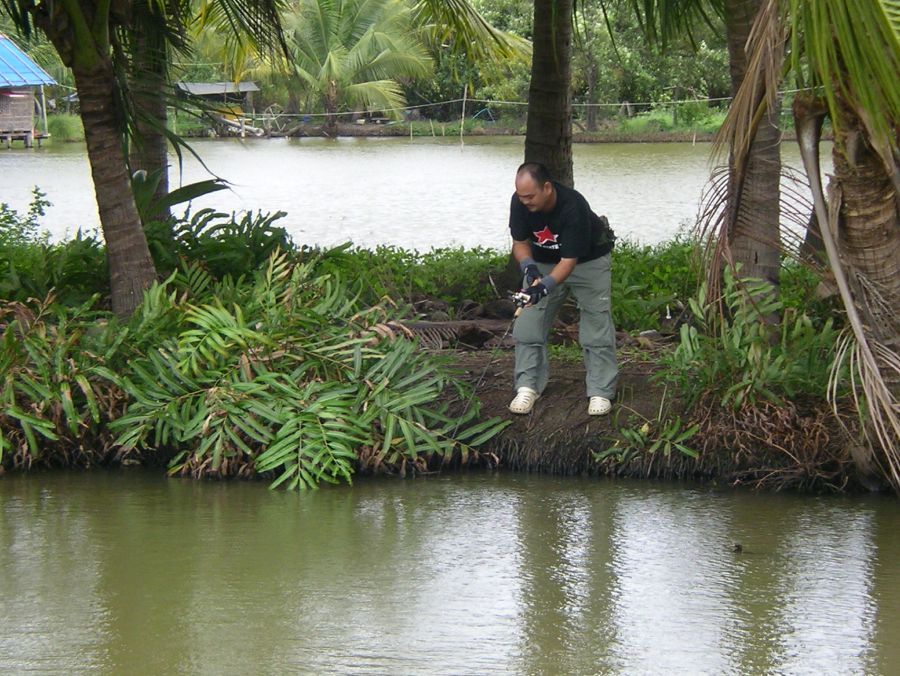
(17, 70)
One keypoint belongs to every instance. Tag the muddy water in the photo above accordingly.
(417, 194)
(131, 573)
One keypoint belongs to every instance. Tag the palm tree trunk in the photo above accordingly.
(869, 230)
(548, 134)
(863, 217)
(149, 148)
(754, 233)
(331, 121)
(130, 265)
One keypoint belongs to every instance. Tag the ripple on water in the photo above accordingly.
(130, 573)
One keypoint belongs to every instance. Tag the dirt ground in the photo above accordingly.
(792, 445)
(558, 436)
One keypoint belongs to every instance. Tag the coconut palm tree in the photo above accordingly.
(351, 54)
(548, 132)
(84, 35)
(845, 54)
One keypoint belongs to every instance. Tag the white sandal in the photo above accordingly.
(599, 406)
(524, 401)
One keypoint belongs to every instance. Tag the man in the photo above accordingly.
(561, 246)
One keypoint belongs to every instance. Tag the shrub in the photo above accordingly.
(226, 245)
(31, 266)
(647, 279)
(450, 274)
(742, 357)
(57, 391)
(288, 375)
(65, 127)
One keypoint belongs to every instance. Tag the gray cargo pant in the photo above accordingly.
(590, 283)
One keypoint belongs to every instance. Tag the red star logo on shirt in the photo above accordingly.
(545, 236)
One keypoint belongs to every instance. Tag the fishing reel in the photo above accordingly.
(521, 299)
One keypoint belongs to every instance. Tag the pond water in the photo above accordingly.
(128, 572)
(417, 194)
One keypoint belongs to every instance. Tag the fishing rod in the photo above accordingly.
(521, 299)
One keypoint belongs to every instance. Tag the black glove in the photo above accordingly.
(532, 274)
(535, 293)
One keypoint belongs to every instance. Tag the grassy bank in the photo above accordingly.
(649, 127)
(65, 128)
(254, 357)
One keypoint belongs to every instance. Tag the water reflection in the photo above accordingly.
(672, 574)
(131, 573)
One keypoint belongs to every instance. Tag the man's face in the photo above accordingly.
(533, 196)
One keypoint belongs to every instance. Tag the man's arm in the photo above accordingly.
(521, 250)
(563, 269)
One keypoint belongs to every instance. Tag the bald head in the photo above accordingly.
(534, 187)
(536, 170)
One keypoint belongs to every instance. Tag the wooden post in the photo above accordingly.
(44, 111)
(462, 117)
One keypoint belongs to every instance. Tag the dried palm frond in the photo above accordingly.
(758, 92)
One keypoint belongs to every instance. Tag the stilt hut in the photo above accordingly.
(20, 78)
(225, 103)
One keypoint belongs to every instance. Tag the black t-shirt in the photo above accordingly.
(570, 230)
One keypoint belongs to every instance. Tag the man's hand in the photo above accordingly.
(534, 293)
(532, 274)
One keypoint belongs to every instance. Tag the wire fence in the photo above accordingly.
(487, 112)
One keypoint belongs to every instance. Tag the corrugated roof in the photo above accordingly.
(210, 88)
(17, 70)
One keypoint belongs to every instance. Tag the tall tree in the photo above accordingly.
(846, 54)
(753, 211)
(84, 35)
(749, 231)
(548, 132)
(352, 53)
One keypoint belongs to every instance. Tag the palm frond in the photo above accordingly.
(850, 50)
(458, 23)
(257, 22)
(663, 20)
(376, 94)
(759, 89)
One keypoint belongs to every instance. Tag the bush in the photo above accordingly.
(56, 387)
(31, 266)
(226, 245)
(285, 375)
(449, 274)
(648, 279)
(65, 127)
(736, 353)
